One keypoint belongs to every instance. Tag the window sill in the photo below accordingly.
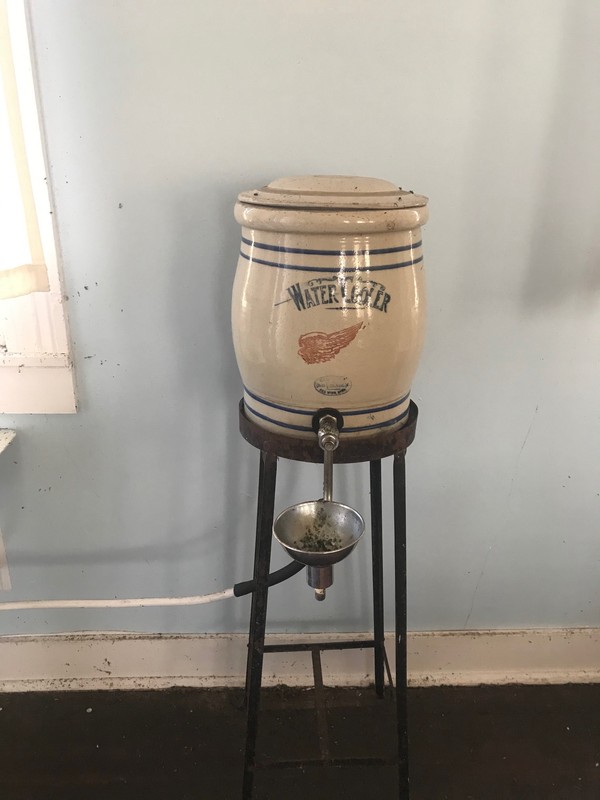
(37, 385)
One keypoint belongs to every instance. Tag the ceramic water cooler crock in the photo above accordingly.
(328, 302)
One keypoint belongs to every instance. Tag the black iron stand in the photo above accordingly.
(372, 449)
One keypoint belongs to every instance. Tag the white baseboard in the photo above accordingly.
(154, 661)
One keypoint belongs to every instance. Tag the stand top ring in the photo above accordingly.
(350, 450)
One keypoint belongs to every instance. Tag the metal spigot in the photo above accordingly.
(329, 435)
(320, 578)
(329, 439)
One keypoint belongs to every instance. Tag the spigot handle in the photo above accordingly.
(328, 476)
(329, 438)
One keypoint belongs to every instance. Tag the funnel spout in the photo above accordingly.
(319, 579)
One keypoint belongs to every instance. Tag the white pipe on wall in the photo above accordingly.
(132, 602)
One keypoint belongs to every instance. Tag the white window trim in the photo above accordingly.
(36, 370)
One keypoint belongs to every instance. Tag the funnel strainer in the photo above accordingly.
(319, 533)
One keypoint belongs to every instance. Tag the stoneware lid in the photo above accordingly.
(330, 192)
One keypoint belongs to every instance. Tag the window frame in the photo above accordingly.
(36, 368)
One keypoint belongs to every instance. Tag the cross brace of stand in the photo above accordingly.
(351, 450)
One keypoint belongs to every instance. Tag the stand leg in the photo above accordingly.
(258, 613)
(377, 561)
(400, 580)
(252, 629)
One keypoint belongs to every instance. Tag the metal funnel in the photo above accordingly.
(319, 533)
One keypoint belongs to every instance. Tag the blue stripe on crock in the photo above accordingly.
(335, 270)
(289, 410)
(375, 252)
(384, 424)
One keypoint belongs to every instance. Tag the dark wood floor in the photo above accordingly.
(488, 743)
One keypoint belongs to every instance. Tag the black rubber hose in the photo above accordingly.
(280, 575)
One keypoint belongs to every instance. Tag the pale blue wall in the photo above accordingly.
(168, 109)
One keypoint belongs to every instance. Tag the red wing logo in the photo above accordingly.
(317, 347)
